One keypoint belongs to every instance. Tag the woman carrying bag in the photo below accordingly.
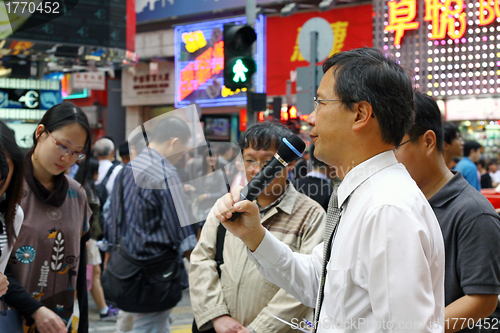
(47, 268)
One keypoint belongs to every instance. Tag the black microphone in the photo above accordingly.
(289, 150)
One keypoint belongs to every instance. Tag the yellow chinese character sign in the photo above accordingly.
(401, 16)
(443, 17)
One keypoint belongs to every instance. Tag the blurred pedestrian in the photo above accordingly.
(485, 176)
(316, 184)
(11, 186)
(124, 152)
(453, 144)
(94, 259)
(153, 210)
(467, 166)
(210, 184)
(104, 150)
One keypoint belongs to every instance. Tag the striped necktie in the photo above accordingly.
(332, 219)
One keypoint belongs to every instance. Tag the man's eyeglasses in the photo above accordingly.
(63, 150)
(409, 140)
(252, 164)
(317, 101)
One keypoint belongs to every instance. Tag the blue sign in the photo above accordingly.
(29, 94)
(147, 10)
(199, 64)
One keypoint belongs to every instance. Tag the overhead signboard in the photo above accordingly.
(472, 109)
(89, 80)
(352, 28)
(148, 10)
(199, 64)
(148, 84)
(27, 100)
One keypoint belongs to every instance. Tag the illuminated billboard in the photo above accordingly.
(452, 47)
(199, 64)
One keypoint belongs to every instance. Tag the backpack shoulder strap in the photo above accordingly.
(221, 235)
(108, 174)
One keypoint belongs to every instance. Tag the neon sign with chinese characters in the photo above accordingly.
(447, 18)
(199, 64)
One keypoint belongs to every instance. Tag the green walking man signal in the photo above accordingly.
(239, 71)
(239, 65)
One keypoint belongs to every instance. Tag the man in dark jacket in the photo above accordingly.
(316, 184)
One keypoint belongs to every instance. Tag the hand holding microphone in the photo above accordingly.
(230, 206)
(289, 150)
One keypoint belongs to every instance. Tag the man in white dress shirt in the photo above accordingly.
(386, 269)
(104, 150)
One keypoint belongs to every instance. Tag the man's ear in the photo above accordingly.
(364, 113)
(429, 139)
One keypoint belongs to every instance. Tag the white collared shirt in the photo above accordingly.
(386, 271)
(103, 169)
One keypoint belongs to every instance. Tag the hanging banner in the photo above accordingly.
(351, 26)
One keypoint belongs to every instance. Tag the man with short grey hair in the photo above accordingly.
(104, 149)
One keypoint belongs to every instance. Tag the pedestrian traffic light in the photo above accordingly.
(239, 65)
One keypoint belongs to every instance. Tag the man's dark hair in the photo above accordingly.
(450, 132)
(264, 136)
(427, 117)
(470, 146)
(492, 162)
(365, 74)
(123, 149)
(224, 147)
(482, 163)
(170, 127)
(315, 162)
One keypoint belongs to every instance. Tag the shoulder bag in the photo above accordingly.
(141, 285)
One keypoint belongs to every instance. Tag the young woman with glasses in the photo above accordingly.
(47, 267)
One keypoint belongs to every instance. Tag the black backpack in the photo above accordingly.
(102, 192)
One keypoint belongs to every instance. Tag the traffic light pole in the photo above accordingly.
(250, 13)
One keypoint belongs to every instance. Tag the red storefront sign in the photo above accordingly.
(352, 28)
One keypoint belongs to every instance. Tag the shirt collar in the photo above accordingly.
(285, 202)
(449, 191)
(362, 172)
(317, 174)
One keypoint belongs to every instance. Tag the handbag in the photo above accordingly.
(141, 285)
(10, 320)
